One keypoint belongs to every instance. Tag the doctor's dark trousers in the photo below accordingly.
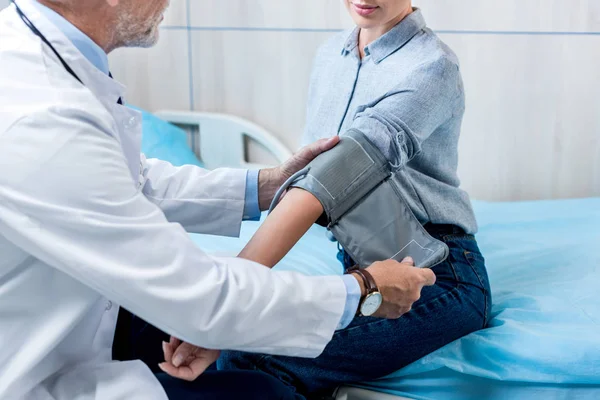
(135, 339)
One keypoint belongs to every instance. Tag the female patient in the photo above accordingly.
(392, 79)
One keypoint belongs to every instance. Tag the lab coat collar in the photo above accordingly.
(94, 53)
(104, 87)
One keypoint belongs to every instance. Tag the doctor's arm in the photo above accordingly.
(202, 201)
(72, 203)
(216, 202)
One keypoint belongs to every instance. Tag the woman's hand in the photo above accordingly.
(400, 285)
(186, 361)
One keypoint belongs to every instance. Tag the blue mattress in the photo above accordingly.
(544, 337)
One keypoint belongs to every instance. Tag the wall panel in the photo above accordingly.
(532, 128)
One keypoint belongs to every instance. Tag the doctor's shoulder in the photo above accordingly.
(39, 117)
(47, 107)
(35, 89)
(33, 80)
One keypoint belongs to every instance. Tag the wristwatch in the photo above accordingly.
(373, 299)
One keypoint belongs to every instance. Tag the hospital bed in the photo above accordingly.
(543, 341)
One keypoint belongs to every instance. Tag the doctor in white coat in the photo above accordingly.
(88, 225)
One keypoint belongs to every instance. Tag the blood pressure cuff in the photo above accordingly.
(365, 209)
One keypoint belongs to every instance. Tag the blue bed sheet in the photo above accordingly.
(544, 336)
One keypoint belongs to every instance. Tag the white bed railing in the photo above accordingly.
(222, 138)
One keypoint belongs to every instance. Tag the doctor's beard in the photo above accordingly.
(135, 33)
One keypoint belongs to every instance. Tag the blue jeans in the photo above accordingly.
(227, 385)
(458, 304)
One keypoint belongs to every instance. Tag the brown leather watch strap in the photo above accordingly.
(370, 285)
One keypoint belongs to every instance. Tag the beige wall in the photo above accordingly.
(532, 128)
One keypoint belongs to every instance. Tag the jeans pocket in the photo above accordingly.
(477, 263)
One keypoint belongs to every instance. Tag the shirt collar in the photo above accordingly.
(397, 37)
(80, 40)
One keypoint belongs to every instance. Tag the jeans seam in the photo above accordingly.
(466, 254)
(483, 289)
(261, 360)
(485, 311)
(453, 271)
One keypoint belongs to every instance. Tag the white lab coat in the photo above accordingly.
(86, 225)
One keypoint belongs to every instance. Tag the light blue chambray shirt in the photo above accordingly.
(407, 96)
(97, 56)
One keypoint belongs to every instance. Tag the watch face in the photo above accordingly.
(371, 304)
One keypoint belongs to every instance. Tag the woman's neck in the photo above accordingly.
(367, 36)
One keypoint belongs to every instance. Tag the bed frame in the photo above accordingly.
(223, 143)
(351, 393)
(223, 139)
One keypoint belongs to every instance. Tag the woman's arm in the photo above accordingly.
(282, 229)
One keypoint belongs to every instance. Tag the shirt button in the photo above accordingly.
(130, 122)
(108, 306)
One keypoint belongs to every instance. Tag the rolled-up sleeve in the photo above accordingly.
(399, 122)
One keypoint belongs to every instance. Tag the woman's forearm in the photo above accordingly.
(282, 229)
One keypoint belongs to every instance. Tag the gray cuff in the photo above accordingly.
(345, 174)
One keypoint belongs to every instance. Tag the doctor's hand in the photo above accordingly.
(400, 285)
(271, 179)
(186, 361)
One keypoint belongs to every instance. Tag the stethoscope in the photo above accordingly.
(39, 34)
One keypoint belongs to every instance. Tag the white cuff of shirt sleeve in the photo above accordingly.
(352, 300)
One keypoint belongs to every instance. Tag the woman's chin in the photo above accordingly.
(364, 23)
